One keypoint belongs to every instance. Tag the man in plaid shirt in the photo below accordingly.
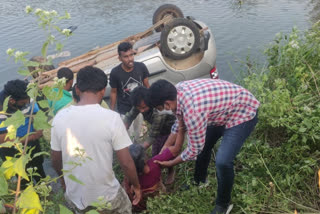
(208, 109)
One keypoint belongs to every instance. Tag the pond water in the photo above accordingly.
(239, 28)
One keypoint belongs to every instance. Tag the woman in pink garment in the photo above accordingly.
(149, 174)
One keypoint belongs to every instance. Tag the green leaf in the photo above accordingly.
(7, 144)
(24, 72)
(59, 46)
(44, 49)
(308, 123)
(8, 166)
(11, 132)
(3, 184)
(72, 177)
(64, 210)
(302, 129)
(43, 103)
(40, 121)
(51, 94)
(17, 120)
(20, 165)
(29, 201)
(40, 153)
(57, 28)
(5, 104)
(32, 91)
(32, 64)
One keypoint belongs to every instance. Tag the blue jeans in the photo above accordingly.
(232, 141)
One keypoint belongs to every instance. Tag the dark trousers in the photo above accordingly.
(232, 141)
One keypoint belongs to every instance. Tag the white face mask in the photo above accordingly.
(164, 111)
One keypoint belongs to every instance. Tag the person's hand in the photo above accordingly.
(164, 163)
(38, 134)
(34, 136)
(137, 195)
(146, 145)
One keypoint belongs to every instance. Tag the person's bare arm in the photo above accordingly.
(146, 82)
(56, 160)
(32, 137)
(130, 172)
(2, 137)
(176, 148)
(35, 136)
(170, 141)
(113, 98)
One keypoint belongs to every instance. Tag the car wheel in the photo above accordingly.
(163, 11)
(179, 39)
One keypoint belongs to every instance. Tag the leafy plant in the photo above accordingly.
(29, 199)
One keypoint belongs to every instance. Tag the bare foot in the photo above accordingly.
(171, 176)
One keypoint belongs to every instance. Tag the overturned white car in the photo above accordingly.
(175, 48)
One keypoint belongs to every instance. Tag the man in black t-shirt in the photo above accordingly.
(126, 77)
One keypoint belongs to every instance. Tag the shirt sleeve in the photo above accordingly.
(36, 108)
(130, 116)
(120, 138)
(55, 139)
(196, 125)
(113, 79)
(175, 126)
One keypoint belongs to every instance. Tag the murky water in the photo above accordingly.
(239, 29)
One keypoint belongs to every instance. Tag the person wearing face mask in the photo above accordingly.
(160, 123)
(207, 110)
(20, 101)
(124, 78)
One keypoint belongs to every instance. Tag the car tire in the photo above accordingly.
(179, 39)
(163, 11)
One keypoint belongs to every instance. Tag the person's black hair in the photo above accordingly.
(91, 79)
(138, 156)
(161, 91)
(17, 89)
(66, 73)
(74, 93)
(124, 46)
(138, 95)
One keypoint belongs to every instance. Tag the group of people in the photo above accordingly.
(85, 132)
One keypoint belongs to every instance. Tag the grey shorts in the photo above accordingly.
(119, 205)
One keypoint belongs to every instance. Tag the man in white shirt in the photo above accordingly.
(88, 134)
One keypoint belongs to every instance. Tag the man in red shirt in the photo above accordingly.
(208, 109)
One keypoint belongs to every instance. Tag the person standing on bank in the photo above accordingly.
(208, 109)
(123, 79)
(98, 133)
